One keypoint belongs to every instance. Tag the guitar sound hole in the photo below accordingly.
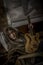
(35, 45)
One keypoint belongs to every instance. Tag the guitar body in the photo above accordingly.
(32, 43)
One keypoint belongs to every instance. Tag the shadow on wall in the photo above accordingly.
(38, 26)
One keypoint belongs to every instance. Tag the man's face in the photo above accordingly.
(12, 34)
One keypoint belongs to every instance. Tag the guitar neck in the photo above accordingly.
(30, 26)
